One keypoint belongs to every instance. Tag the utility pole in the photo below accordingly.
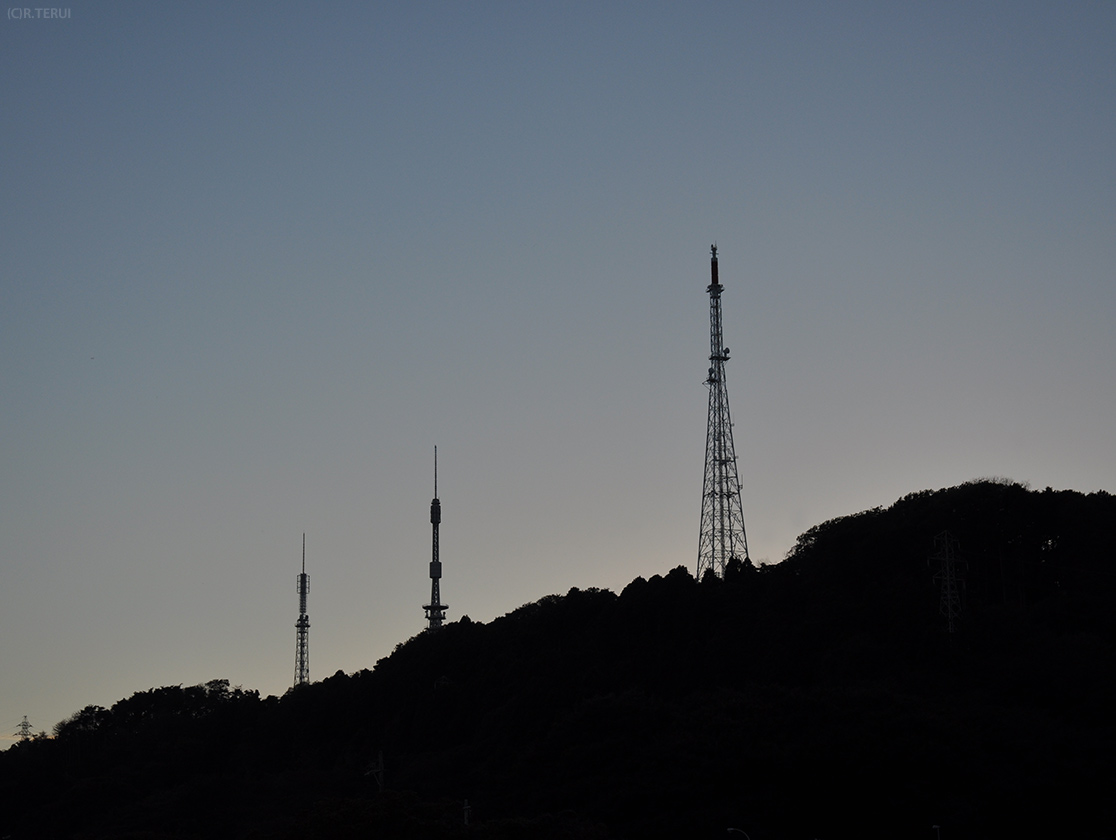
(722, 517)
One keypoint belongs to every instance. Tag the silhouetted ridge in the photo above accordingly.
(821, 696)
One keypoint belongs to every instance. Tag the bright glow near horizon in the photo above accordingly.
(256, 261)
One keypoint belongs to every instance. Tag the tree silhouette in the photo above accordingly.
(814, 697)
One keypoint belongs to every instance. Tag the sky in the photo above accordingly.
(257, 260)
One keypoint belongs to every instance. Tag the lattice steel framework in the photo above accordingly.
(302, 626)
(950, 578)
(435, 610)
(722, 516)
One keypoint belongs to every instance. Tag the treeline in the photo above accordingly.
(819, 697)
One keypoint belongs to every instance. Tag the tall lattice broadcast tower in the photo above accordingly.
(302, 626)
(722, 517)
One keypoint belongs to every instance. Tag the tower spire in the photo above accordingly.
(435, 610)
(722, 517)
(302, 626)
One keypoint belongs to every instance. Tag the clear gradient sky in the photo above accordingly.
(257, 260)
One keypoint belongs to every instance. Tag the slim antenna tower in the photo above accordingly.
(722, 517)
(435, 610)
(951, 579)
(302, 638)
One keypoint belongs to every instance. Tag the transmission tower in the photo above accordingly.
(722, 517)
(435, 610)
(951, 579)
(25, 730)
(302, 626)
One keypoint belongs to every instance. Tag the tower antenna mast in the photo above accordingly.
(435, 610)
(951, 579)
(722, 517)
(302, 639)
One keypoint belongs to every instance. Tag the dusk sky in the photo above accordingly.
(258, 259)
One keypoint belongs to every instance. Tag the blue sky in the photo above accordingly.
(257, 261)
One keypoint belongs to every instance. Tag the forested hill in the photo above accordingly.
(819, 697)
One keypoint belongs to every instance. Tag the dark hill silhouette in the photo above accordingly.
(819, 697)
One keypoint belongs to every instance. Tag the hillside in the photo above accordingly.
(819, 697)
